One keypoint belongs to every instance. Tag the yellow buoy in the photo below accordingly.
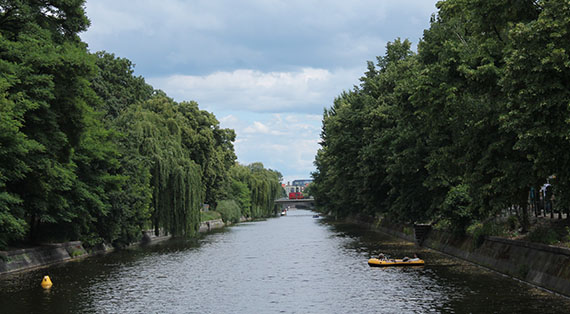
(46, 282)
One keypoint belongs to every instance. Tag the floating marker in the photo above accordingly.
(46, 282)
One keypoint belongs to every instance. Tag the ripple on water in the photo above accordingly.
(291, 264)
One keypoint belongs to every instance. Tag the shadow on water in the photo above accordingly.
(470, 288)
(290, 264)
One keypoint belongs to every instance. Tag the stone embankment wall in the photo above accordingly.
(40, 256)
(541, 265)
(23, 259)
(211, 225)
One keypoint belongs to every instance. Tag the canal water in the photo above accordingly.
(291, 264)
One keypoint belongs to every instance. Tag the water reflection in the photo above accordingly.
(291, 264)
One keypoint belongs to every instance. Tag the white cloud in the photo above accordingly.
(285, 142)
(266, 68)
(204, 36)
(306, 90)
(259, 128)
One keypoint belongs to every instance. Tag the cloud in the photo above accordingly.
(307, 90)
(285, 142)
(201, 36)
(259, 128)
(265, 68)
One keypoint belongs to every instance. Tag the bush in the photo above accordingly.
(442, 225)
(543, 234)
(77, 253)
(229, 209)
(513, 223)
(209, 215)
(478, 231)
(455, 208)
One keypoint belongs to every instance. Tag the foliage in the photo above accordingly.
(90, 151)
(229, 209)
(209, 215)
(308, 191)
(254, 188)
(566, 237)
(512, 223)
(478, 231)
(455, 208)
(242, 194)
(45, 85)
(116, 84)
(542, 234)
(462, 129)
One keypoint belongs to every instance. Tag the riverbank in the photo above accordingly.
(541, 265)
(49, 254)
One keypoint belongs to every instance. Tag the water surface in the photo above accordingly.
(290, 264)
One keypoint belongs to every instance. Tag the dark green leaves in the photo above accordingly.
(460, 131)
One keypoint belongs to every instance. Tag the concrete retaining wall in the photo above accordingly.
(24, 259)
(542, 265)
(15, 260)
(211, 225)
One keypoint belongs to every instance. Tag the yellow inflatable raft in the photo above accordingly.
(374, 262)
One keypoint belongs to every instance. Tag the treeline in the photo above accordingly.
(251, 192)
(460, 130)
(89, 151)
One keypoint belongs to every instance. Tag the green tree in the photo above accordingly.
(153, 131)
(46, 71)
(535, 81)
(116, 84)
(441, 134)
(262, 185)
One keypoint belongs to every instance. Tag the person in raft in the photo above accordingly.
(407, 259)
(382, 257)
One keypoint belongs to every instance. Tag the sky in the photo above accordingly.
(265, 68)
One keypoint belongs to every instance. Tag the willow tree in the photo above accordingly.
(209, 146)
(254, 188)
(153, 132)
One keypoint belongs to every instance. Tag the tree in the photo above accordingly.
(116, 84)
(46, 75)
(535, 81)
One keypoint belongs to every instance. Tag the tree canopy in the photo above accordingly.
(460, 130)
(91, 152)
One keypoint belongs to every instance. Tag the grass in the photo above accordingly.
(209, 215)
(77, 253)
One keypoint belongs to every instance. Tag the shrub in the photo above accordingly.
(478, 231)
(543, 234)
(456, 209)
(76, 253)
(442, 225)
(513, 223)
(229, 209)
(209, 215)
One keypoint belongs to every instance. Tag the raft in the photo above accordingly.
(374, 262)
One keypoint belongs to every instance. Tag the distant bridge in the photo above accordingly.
(300, 203)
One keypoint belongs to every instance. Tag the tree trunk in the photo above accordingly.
(525, 224)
